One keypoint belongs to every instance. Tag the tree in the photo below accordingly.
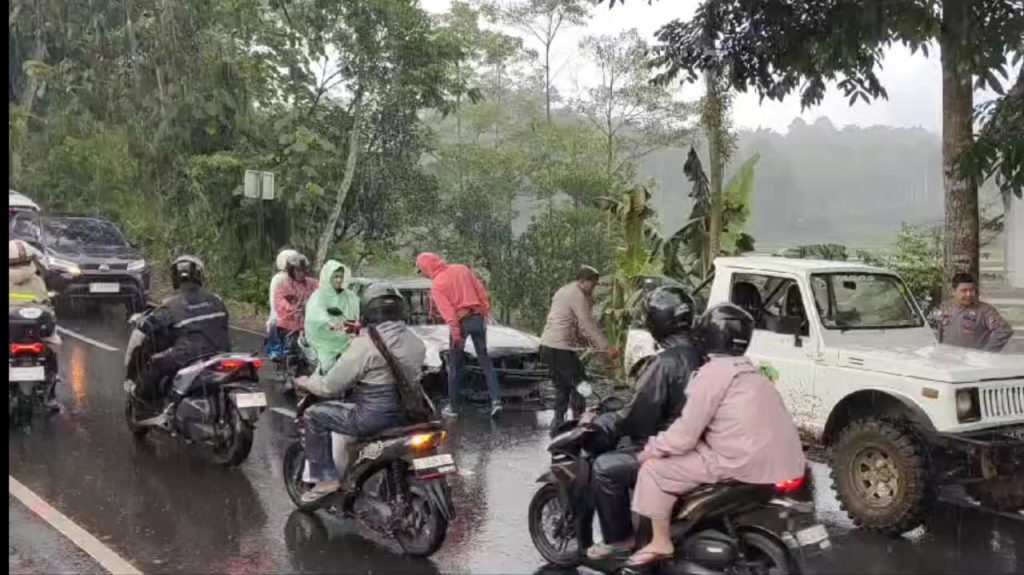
(634, 116)
(542, 20)
(778, 47)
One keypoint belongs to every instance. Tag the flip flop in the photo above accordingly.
(314, 496)
(652, 557)
(607, 551)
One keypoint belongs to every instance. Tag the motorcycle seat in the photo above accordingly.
(393, 432)
(716, 494)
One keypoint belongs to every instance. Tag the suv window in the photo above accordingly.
(863, 301)
(82, 232)
(774, 302)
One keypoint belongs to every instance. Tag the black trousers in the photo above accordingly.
(566, 372)
(162, 367)
(613, 476)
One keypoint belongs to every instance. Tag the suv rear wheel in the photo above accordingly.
(879, 473)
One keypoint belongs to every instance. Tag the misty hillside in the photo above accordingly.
(821, 184)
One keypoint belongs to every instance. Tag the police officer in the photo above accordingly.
(968, 322)
(189, 325)
(659, 399)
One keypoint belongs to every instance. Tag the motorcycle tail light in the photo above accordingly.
(426, 440)
(35, 348)
(789, 485)
(233, 364)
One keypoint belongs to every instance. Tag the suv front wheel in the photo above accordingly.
(879, 473)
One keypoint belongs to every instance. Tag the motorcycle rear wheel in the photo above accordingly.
(238, 447)
(563, 552)
(425, 538)
(766, 556)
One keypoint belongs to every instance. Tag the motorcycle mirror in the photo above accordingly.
(585, 389)
(134, 318)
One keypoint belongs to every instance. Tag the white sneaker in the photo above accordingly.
(449, 413)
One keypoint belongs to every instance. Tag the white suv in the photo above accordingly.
(862, 374)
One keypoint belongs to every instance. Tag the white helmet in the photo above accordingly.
(19, 253)
(282, 259)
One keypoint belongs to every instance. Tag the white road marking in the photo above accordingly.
(86, 339)
(103, 555)
(284, 411)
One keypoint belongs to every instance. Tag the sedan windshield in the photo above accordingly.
(82, 232)
(863, 301)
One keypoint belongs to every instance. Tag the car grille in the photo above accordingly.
(109, 267)
(1002, 401)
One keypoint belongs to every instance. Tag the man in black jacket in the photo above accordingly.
(659, 398)
(191, 324)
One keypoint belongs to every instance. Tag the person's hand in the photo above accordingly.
(302, 382)
(456, 340)
(352, 326)
(613, 353)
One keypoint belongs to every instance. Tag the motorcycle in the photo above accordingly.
(213, 402)
(721, 528)
(395, 484)
(32, 370)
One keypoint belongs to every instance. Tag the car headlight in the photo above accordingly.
(137, 266)
(57, 264)
(967, 405)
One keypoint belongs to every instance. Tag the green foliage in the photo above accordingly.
(737, 202)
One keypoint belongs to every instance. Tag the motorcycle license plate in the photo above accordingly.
(37, 373)
(243, 400)
(443, 464)
(100, 287)
(814, 536)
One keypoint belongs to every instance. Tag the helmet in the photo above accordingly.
(669, 311)
(382, 302)
(725, 329)
(296, 261)
(187, 269)
(282, 259)
(18, 253)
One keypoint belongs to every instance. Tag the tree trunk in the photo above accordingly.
(327, 237)
(961, 222)
(547, 80)
(713, 129)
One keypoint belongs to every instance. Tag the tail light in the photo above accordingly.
(35, 348)
(233, 364)
(422, 441)
(789, 485)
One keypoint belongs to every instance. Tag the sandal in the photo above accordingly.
(602, 551)
(314, 496)
(650, 558)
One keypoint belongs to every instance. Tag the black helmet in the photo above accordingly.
(725, 329)
(381, 302)
(669, 311)
(187, 269)
(296, 261)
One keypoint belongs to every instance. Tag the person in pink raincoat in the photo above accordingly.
(734, 426)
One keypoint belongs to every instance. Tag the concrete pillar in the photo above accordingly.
(1014, 236)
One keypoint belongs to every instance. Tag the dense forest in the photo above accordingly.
(391, 130)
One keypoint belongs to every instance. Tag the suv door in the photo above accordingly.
(786, 344)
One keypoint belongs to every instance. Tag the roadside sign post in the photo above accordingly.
(259, 185)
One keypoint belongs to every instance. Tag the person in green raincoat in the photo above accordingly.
(330, 307)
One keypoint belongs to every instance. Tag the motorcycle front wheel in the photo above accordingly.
(422, 532)
(553, 528)
(294, 466)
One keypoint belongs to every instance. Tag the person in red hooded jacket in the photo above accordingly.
(461, 299)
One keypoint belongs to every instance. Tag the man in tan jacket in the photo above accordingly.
(570, 327)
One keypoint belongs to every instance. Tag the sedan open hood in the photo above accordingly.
(501, 340)
(936, 362)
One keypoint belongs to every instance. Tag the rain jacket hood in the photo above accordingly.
(325, 343)
(430, 264)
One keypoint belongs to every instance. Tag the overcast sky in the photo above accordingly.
(913, 81)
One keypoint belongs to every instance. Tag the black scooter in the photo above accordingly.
(31, 363)
(395, 484)
(722, 528)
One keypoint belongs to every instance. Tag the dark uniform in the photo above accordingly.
(658, 401)
(194, 323)
(977, 327)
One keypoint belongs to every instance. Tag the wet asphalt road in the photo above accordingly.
(164, 508)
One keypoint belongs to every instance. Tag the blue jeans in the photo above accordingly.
(473, 326)
(351, 419)
(275, 346)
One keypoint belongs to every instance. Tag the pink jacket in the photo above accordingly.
(735, 420)
(290, 316)
(455, 290)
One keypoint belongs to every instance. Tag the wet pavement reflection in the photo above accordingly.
(165, 508)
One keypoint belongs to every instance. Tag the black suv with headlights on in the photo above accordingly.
(85, 258)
